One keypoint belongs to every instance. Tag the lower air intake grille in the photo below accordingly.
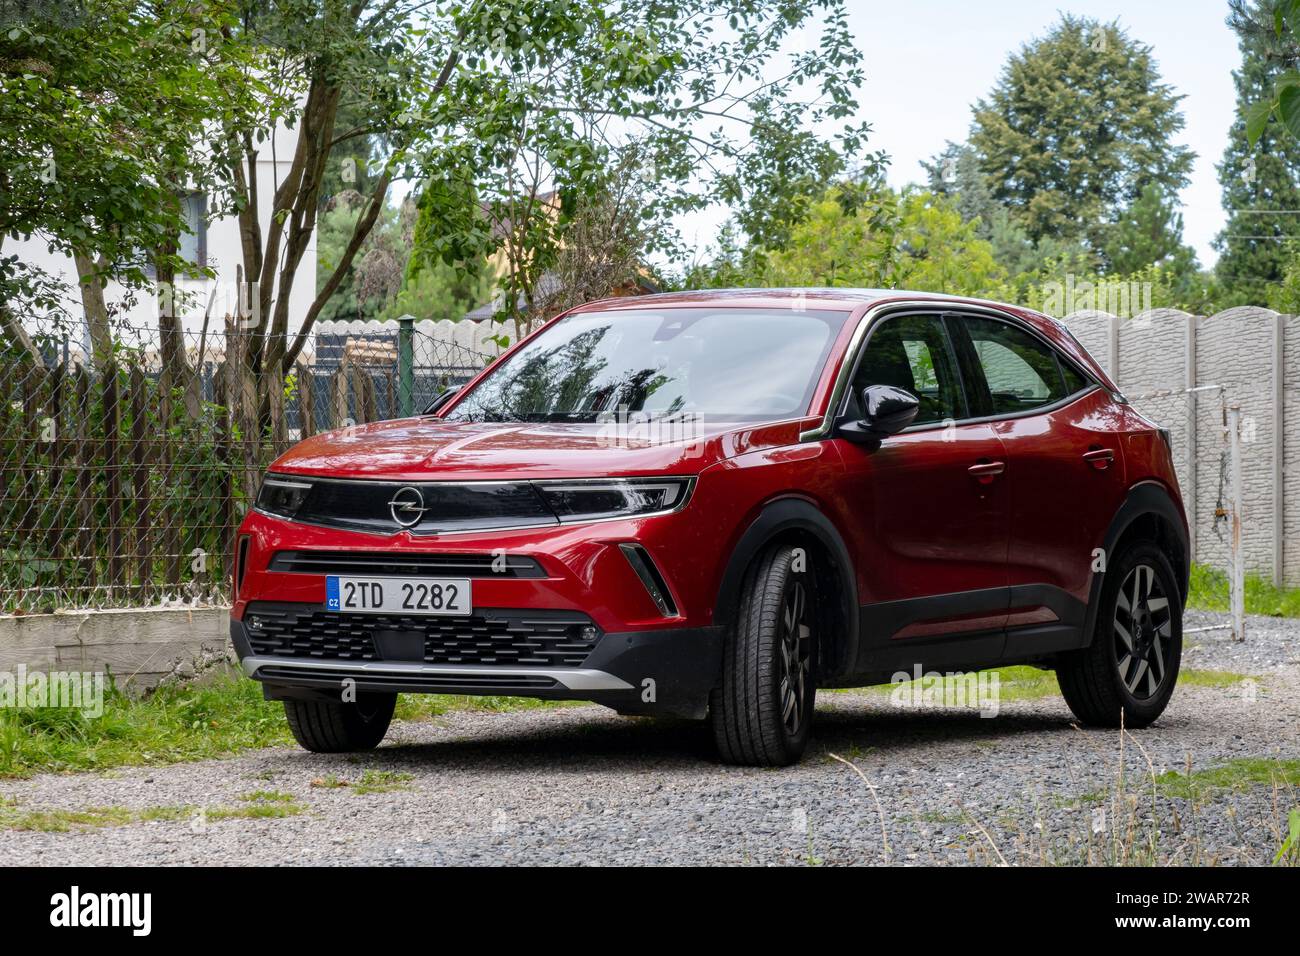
(410, 563)
(504, 638)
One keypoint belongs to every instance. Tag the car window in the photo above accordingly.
(715, 364)
(1074, 381)
(1022, 372)
(911, 352)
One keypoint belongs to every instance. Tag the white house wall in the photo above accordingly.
(223, 255)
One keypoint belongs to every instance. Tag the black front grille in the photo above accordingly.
(447, 506)
(410, 564)
(488, 638)
(320, 635)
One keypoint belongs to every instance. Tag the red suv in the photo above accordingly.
(711, 504)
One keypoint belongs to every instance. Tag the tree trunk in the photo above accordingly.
(96, 309)
(176, 371)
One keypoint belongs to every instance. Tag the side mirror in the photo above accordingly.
(443, 398)
(886, 410)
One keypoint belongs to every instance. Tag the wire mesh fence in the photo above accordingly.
(126, 464)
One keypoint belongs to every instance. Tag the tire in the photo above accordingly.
(1115, 680)
(762, 712)
(325, 727)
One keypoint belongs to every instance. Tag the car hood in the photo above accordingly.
(415, 449)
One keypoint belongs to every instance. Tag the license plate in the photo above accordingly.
(398, 595)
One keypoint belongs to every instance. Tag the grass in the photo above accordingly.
(372, 781)
(330, 782)
(62, 821)
(1209, 592)
(1014, 683)
(177, 724)
(382, 781)
(173, 725)
(1240, 774)
(1026, 683)
(1220, 679)
(1030, 683)
(256, 811)
(268, 796)
(261, 804)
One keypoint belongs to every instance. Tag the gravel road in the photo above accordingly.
(581, 785)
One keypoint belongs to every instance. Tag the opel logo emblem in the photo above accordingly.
(407, 507)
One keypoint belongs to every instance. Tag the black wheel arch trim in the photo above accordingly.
(779, 517)
(1144, 498)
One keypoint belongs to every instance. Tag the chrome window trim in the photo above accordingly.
(876, 314)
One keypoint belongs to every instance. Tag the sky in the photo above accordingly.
(928, 61)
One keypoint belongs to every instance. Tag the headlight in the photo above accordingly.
(614, 497)
(282, 496)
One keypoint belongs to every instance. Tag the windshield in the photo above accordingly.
(714, 364)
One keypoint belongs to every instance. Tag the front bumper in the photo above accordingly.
(662, 672)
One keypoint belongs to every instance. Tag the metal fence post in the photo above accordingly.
(405, 365)
(1237, 596)
(1189, 380)
(1279, 447)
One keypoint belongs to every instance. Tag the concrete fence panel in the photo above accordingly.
(1164, 359)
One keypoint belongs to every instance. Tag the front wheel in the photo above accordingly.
(1127, 674)
(762, 712)
(327, 727)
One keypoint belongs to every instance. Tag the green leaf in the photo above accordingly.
(1257, 119)
(1291, 845)
(1288, 108)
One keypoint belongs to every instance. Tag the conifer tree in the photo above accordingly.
(1261, 185)
(1077, 125)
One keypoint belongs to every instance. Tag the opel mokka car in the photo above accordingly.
(712, 504)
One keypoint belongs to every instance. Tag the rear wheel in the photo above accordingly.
(762, 712)
(1130, 669)
(327, 727)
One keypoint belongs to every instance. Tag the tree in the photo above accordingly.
(607, 238)
(1077, 124)
(955, 172)
(103, 115)
(380, 264)
(1149, 232)
(439, 291)
(1261, 182)
(1284, 295)
(481, 100)
(881, 239)
(1282, 102)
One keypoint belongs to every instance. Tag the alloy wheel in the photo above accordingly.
(1142, 632)
(796, 651)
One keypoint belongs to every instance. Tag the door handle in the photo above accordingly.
(1099, 458)
(986, 471)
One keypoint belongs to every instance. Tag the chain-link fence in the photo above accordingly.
(127, 461)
